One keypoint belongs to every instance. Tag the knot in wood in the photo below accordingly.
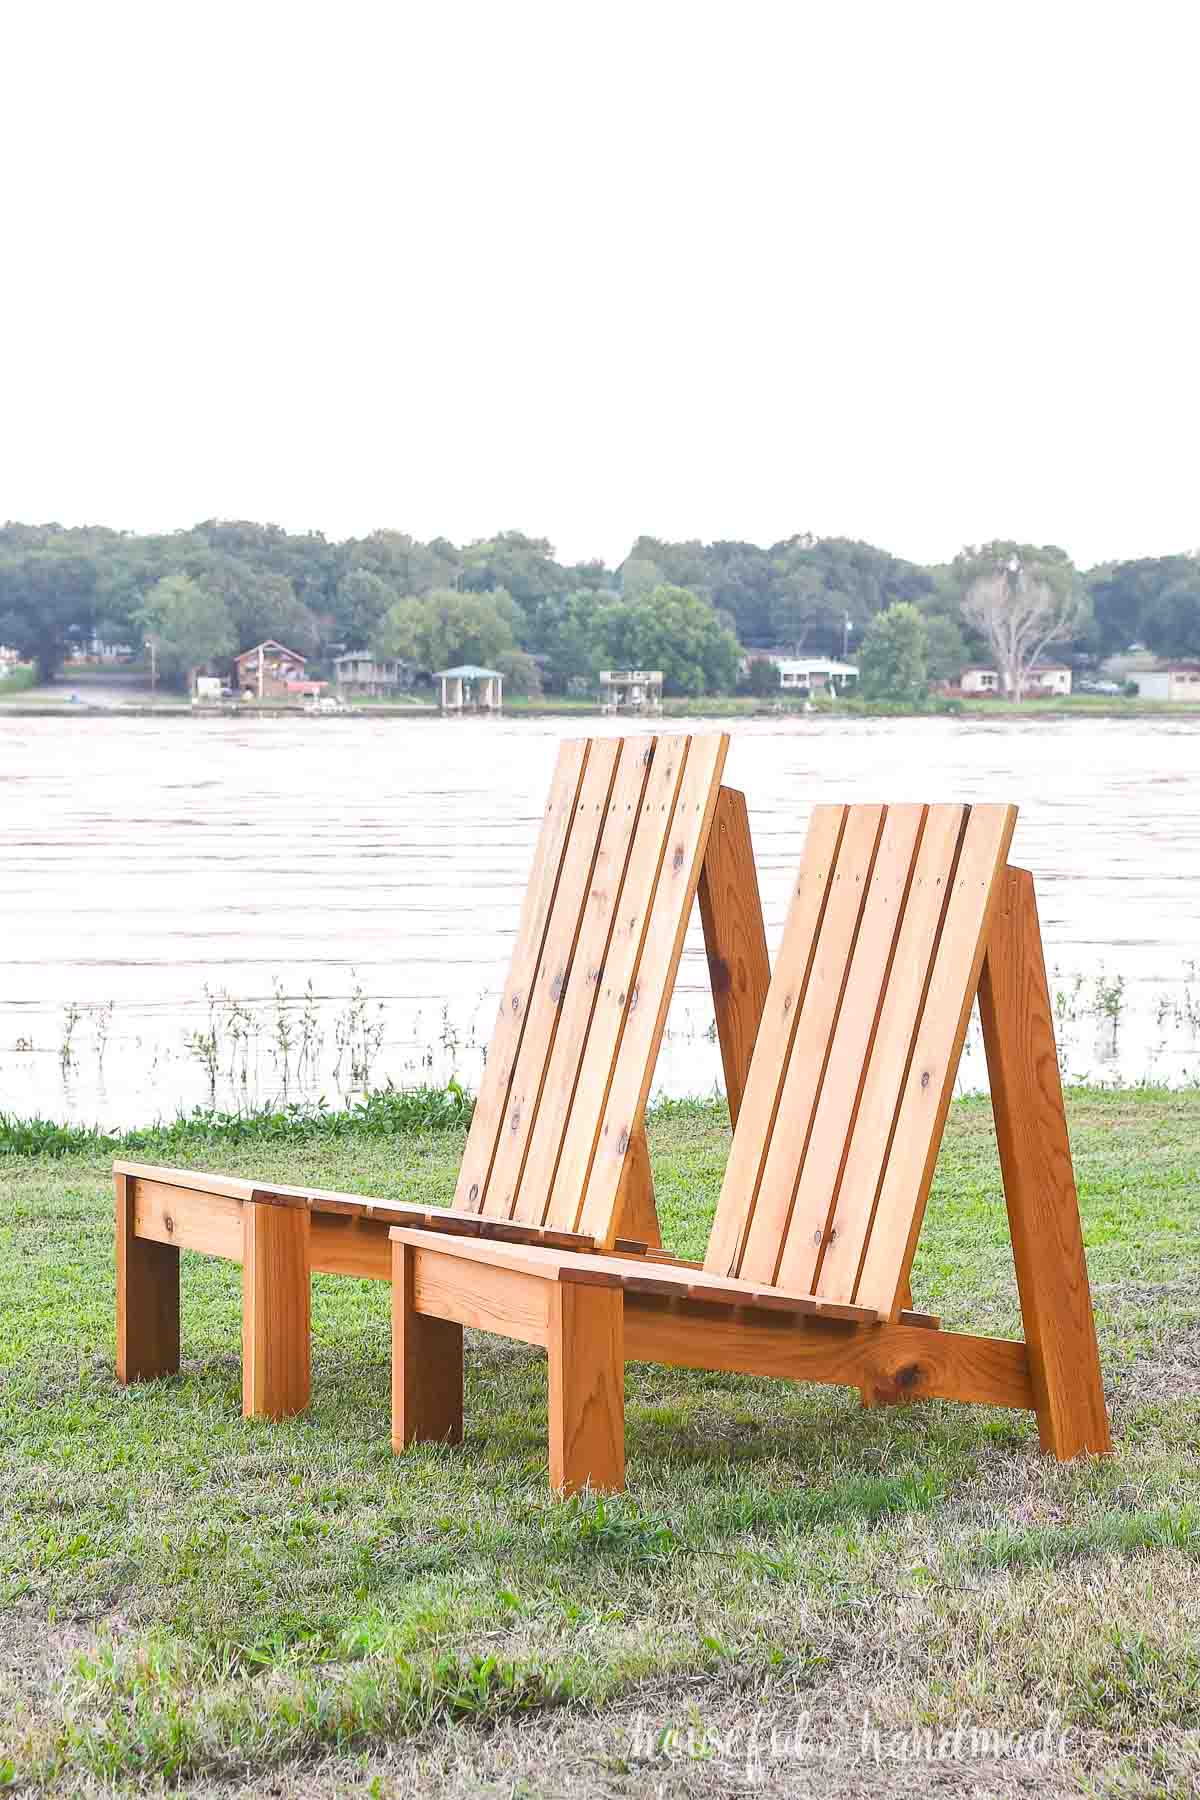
(719, 975)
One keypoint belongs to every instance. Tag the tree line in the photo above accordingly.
(689, 608)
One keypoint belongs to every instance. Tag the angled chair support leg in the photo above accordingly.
(1039, 1182)
(637, 1215)
(427, 1365)
(735, 941)
(275, 1310)
(586, 1348)
(147, 1296)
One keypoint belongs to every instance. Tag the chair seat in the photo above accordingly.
(359, 1206)
(633, 1274)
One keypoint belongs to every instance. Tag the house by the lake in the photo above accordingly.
(270, 671)
(1044, 679)
(468, 688)
(1171, 681)
(815, 675)
(357, 672)
(631, 690)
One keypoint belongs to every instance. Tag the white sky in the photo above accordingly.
(923, 274)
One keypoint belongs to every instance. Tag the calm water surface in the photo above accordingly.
(143, 862)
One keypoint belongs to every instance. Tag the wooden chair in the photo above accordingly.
(556, 1154)
(900, 916)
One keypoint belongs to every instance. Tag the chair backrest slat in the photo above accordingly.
(881, 957)
(800, 1088)
(875, 1126)
(849, 1053)
(643, 1003)
(614, 876)
(938, 1041)
(492, 1101)
(550, 982)
(622, 828)
(773, 1044)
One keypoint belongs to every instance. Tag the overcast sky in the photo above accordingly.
(923, 274)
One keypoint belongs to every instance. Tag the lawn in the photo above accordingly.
(194, 1603)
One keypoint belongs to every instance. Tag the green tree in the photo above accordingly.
(671, 629)
(566, 636)
(262, 603)
(47, 603)
(892, 662)
(1123, 593)
(1021, 598)
(945, 648)
(1171, 622)
(444, 628)
(190, 625)
(363, 598)
(521, 673)
(762, 677)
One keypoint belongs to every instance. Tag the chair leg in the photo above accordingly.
(275, 1310)
(1039, 1181)
(586, 1346)
(427, 1365)
(147, 1297)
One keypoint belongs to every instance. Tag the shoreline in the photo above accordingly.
(715, 707)
(398, 1112)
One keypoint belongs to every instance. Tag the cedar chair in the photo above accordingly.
(900, 916)
(556, 1154)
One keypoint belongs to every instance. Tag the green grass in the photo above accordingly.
(199, 1604)
(17, 681)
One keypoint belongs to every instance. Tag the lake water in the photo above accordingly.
(143, 862)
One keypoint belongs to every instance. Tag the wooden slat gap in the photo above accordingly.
(614, 915)
(515, 1061)
(786, 1223)
(797, 1009)
(570, 964)
(866, 1063)
(912, 1046)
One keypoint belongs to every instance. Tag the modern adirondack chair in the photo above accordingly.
(632, 826)
(899, 917)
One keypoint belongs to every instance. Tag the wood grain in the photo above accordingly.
(891, 1053)
(820, 1176)
(586, 1386)
(275, 1311)
(1039, 1180)
(637, 1215)
(647, 1003)
(938, 1046)
(427, 1365)
(800, 1089)
(735, 940)
(773, 1044)
(890, 1361)
(491, 1105)
(550, 982)
(510, 1302)
(188, 1218)
(579, 1067)
(147, 1295)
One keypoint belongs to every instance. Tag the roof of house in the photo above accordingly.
(469, 672)
(270, 644)
(826, 664)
